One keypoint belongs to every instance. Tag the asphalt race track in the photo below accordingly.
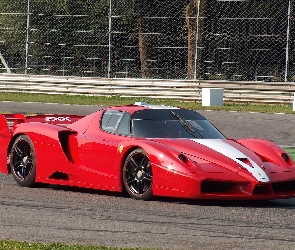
(83, 216)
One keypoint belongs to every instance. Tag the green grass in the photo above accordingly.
(290, 151)
(116, 100)
(15, 245)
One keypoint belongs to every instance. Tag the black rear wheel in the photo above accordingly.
(137, 175)
(23, 161)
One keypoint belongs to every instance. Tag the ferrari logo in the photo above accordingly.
(121, 148)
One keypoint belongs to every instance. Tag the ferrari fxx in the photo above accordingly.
(145, 150)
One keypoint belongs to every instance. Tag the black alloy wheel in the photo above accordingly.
(137, 175)
(23, 161)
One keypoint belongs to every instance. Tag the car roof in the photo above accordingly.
(156, 112)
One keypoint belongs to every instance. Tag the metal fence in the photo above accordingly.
(248, 40)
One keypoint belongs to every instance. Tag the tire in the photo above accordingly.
(23, 161)
(137, 175)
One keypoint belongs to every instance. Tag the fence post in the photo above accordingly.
(110, 41)
(288, 42)
(28, 38)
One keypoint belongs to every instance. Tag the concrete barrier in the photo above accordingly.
(212, 96)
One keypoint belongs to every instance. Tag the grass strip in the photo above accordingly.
(117, 100)
(15, 245)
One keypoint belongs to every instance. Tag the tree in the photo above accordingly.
(195, 28)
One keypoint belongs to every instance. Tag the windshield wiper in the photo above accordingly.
(187, 125)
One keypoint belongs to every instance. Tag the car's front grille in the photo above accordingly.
(262, 189)
(216, 186)
(286, 186)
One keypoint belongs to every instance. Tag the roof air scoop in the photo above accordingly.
(144, 104)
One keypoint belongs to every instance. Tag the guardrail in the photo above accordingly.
(186, 90)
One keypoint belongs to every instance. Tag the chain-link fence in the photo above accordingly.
(244, 40)
(163, 39)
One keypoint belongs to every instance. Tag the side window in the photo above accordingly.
(124, 126)
(116, 122)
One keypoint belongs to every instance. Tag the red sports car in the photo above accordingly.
(146, 150)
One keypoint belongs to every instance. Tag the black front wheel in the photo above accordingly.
(23, 161)
(137, 175)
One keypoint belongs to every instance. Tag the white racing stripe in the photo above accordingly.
(234, 154)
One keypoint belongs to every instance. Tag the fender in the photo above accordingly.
(53, 140)
(268, 151)
(168, 169)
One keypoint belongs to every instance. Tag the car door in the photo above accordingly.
(98, 149)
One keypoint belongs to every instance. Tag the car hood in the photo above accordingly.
(223, 153)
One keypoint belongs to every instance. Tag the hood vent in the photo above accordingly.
(245, 160)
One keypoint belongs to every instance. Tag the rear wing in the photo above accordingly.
(8, 121)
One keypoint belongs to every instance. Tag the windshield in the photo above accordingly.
(143, 128)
